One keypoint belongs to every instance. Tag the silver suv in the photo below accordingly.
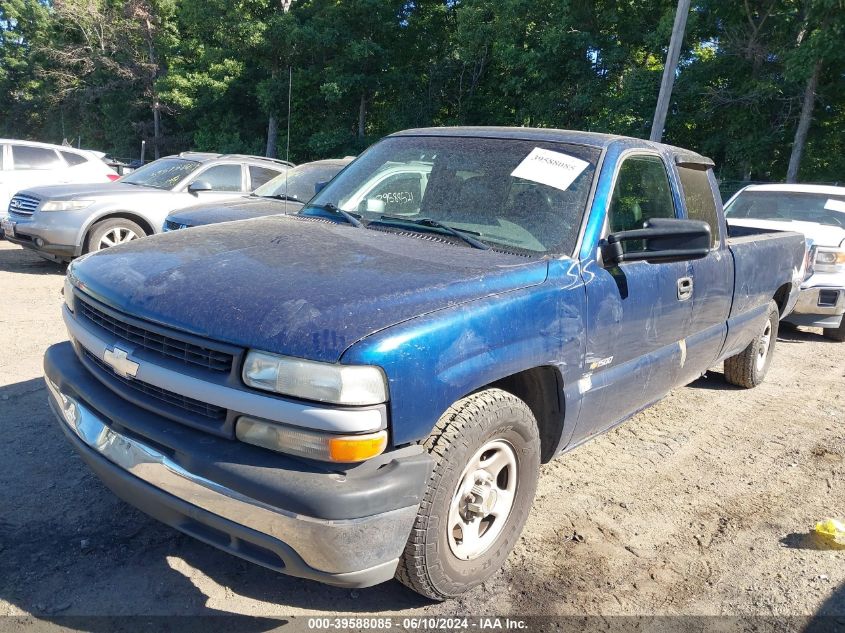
(63, 221)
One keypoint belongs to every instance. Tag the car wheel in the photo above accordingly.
(836, 333)
(112, 232)
(486, 451)
(749, 367)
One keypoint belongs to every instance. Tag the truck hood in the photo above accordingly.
(239, 209)
(292, 285)
(821, 234)
(92, 190)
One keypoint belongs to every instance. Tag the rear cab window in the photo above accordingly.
(699, 198)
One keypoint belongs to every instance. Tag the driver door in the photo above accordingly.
(637, 316)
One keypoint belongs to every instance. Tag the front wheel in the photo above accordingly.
(486, 451)
(112, 232)
(749, 367)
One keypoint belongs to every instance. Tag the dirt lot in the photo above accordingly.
(700, 505)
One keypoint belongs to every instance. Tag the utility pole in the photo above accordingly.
(669, 70)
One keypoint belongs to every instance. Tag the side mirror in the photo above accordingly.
(199, 185)
(319, 186)
(660, 240)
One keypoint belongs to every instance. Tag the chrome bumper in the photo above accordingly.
(819, 307)
(352, 553)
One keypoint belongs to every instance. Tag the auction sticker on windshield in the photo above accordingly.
(550, 168)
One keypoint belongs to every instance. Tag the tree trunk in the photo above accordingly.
(272, 134)
(362, 115)
(804, 122)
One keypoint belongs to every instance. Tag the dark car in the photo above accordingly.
(286, 193)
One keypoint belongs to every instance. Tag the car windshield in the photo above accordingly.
(785, 206)
(298, 183)
(514, 195)
(164, 173)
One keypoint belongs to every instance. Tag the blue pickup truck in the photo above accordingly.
(361, 391)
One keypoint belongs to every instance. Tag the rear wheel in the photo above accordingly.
(486, 451)
(836, 333)
(112, 232)
(749, 367)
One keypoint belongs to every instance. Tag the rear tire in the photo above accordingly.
(486, 451)
(748, 368)
(112, 232)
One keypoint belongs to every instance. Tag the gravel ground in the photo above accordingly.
(701, 505)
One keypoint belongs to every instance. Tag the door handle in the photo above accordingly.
(684, 288)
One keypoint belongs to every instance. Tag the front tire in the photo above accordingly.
(836, 333)
(486, 451)
(112, 232)
(749, 368)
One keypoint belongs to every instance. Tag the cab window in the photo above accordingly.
(642, 192)
(698, 197)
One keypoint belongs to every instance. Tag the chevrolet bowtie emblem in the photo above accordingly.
(118, 360)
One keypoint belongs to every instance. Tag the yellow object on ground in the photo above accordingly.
(831, 528)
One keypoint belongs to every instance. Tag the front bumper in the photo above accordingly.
(54, 233)
(819, 306)
(171, 483)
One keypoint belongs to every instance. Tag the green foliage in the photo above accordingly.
(219, 70)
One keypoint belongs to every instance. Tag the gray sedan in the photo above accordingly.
(63, 221)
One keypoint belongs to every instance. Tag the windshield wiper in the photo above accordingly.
(336, 210)
(283, 196)
(461, 234)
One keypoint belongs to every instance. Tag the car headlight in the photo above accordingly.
(68, 293)
(66, 205)
(310, 380)
(312, 444)
(830, 259)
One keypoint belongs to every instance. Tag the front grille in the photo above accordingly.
(22, 204)
(174, 399)
(164, 345)
(169, 225)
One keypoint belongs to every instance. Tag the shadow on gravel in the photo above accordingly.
(830, 618)
(73, 554)
(809, 540)
(16, 259)
(794, 335)
(714, 381)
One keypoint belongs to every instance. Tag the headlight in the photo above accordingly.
(68, 292)
(311, 444)
(830, 259)
(66, 205)
(309, 380)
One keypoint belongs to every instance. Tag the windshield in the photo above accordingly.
(785, 206)
(298, 183)
(514, 195)
(164, 173)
